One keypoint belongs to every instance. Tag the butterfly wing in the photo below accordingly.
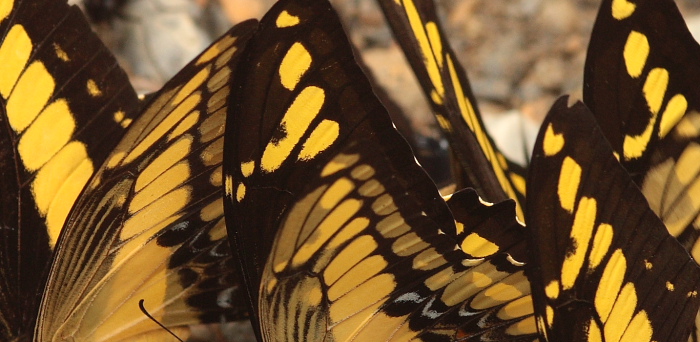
(605, 268)
(340, 233)
(640, 82)
(64, 102)
(150, 224)
(479, 162)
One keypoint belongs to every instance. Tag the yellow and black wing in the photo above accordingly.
(604, 266)
(149, 225)
(64, 103)
(479, 163)
(641, 83)
(340, 233)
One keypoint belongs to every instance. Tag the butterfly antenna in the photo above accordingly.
(143, 309)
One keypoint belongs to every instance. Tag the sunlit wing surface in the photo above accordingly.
(479, 164)
(605, 268)
(149, 225)
(340, 233)
(641, 83)
(64, 103)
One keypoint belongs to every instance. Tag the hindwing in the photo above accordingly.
(605, 268)
(149, 225)
(64, 102)
(479, 163)
(340, 233)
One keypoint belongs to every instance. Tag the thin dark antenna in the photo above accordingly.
(143, 309)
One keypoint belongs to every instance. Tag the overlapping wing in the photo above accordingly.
(605, 268)
(64, 103)
(150, 224)
(479, 163)
(641, 83)
(340, 233)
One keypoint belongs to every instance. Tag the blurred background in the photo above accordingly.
(520, 55)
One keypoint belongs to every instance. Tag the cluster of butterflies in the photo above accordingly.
(266, 182)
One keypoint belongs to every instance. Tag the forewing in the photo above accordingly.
(150, 224)
(64, 103)
(641, 83)
(605, 267)
(340, 233)
(479, 163)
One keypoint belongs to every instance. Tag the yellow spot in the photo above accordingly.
(610, 284)
(518, 182)
(320, 139)
(621, 313)
(335, 220)
(240, 192)
(639, 329)
(552, 143)
(594, 334)
(247, 168)
(552, 290)
(157, 133)
(126, 122)
(216, 49)
(165, 182)
(443, 122)
(362, 172)
(5, 9)
(435, 41)
(550, 315)
(62, 55)
(14, 54)
(294, 124)
(286, 20)
(371, 188)
(675, 109)
(669, 286)
(339, 163)
(166, 159)
(93, 89)
(622, 9)
(119, 116)
(648, 265)
(636, 53)
(517, 308)
(478, 247)
(357, 250)
(654, 90)
(294, 65)
(52, 130)
(581, 232)
(601, 242)
(426, 48)
(569, 179)
(58, 183)
(191, 86)
(34, 88)
(156, 213)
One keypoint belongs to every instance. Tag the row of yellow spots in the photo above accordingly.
(297, 120)
(613, 302)
(45, 129)
(636, 53)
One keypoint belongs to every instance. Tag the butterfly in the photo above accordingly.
(479, 163)
(340, 233)
(604, 266)
(108, 200)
